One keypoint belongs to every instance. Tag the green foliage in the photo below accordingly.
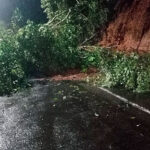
(11, 73)
(130, 71)
(28, 49)
(86, 15)
(17, 20)
(47, 50)
(51, 47)
(89, 59)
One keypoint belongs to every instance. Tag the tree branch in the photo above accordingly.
(53, 19)
(88, 48)
(62, 19)
(86, 40)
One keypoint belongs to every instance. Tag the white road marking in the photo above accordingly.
(126, 101)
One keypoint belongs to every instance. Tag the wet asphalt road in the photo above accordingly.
(70, 116)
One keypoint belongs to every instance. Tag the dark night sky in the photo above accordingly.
(6, 9)
(30, 9)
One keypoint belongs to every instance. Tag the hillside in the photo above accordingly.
(130, 30)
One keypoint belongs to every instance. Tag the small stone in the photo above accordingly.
(96, 115)
(133, 118)
(138, 125)
(110, 147)
(64, 97)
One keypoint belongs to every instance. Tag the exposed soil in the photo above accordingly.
(130, 30)
(75, 74)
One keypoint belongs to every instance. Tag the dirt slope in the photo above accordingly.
(130, 30)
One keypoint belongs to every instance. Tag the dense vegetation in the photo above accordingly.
(29, 48)
(130, 71)
(32, 48)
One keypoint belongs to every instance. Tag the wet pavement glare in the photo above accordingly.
(70, 116)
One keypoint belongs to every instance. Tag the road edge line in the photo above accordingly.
(126, 100)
